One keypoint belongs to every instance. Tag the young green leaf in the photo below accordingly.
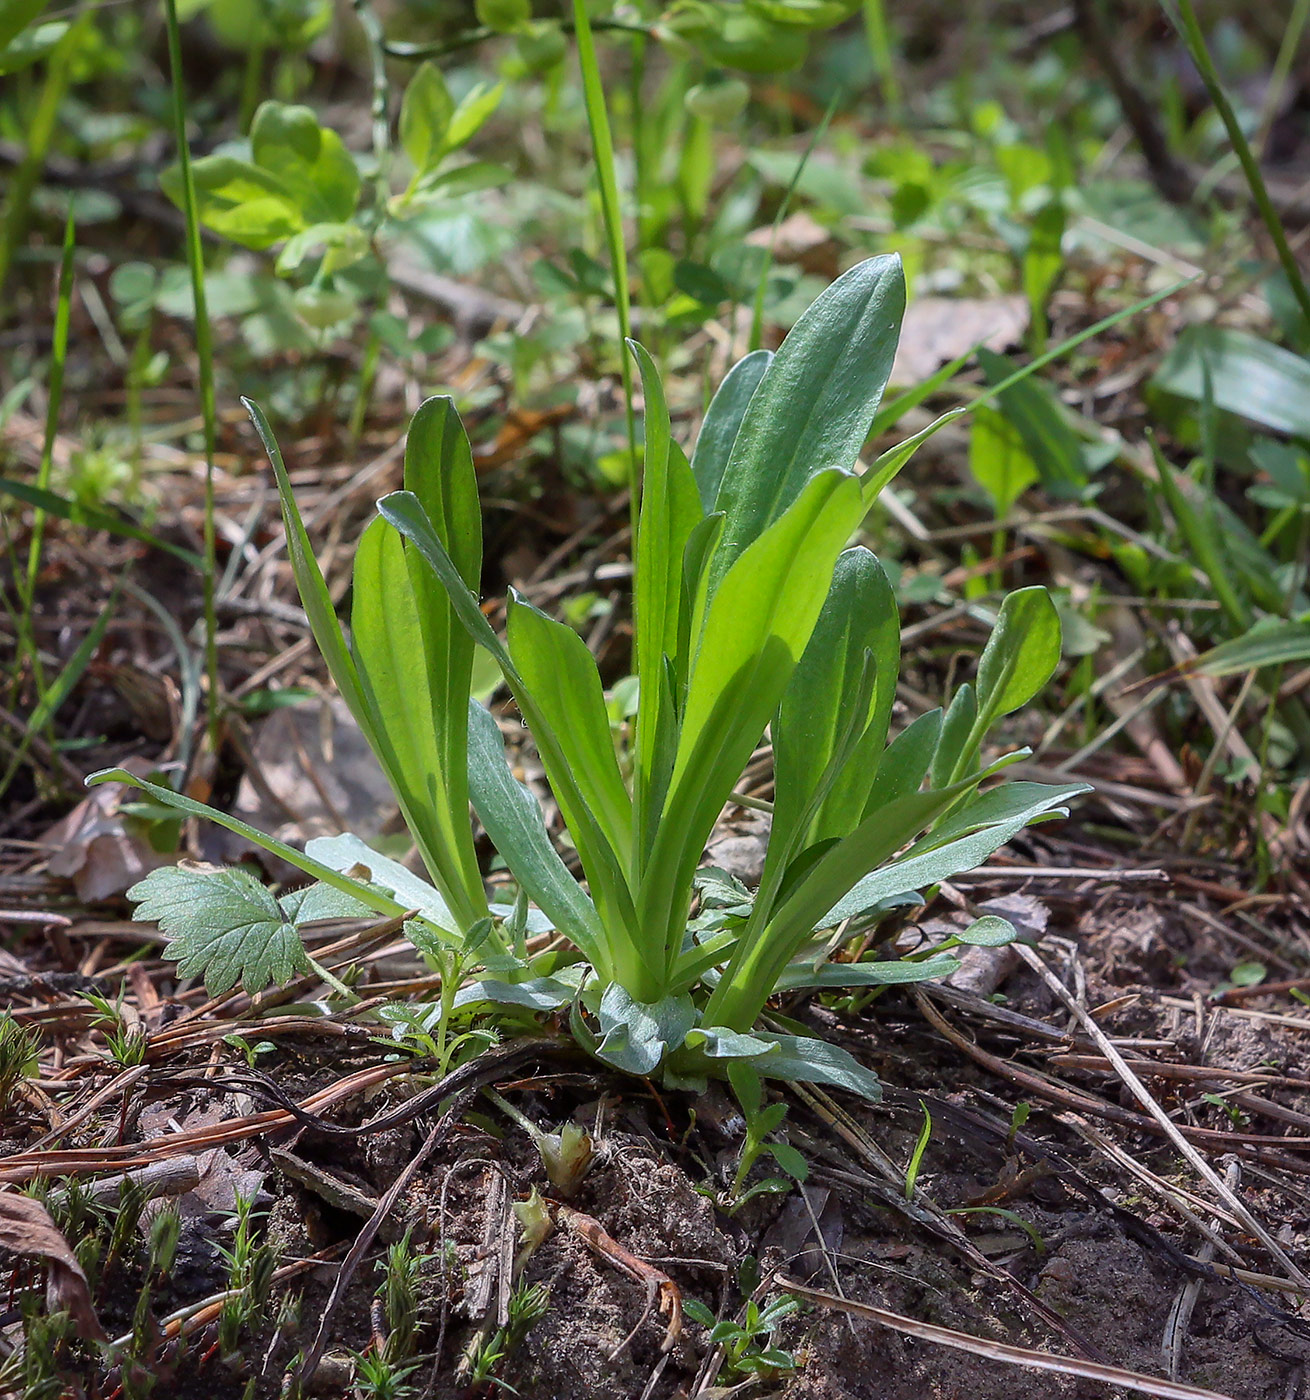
(998, 460)
(814, 403)
(560, 674)
(513, 821)
(425, 115)
(670, 510)
(723, 421)
(1020, 657)
(755, 630)
(858, 620)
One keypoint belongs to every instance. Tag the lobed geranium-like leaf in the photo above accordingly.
(224, 926)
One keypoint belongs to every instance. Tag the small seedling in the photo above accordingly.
(19, 1052)
(746, 1343)
(126, 1040)
(399, 1294)
(566, 1155)
(377, 1377)
(916, 1157)
(250, 1266)
(761, 1121)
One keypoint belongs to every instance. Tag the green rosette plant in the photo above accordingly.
(751, 613)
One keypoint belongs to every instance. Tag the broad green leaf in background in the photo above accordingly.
(310, 160)
(1270, 642)
(1032, 410)
(735, 37)
(237, 199)
(425, 115)
(300, 174)
(15, 16)
(808, 14)
(998, 460)
(1250, 377)
(472, 112)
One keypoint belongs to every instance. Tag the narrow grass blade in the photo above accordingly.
(58, 359)
(204, 355)
(602, 143)
(886, 466)
(757, 310)
(93, 518)
(60, 689)
(379, 903)
(40, 131)
(1184, 20)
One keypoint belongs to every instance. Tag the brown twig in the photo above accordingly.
(1002, 1351)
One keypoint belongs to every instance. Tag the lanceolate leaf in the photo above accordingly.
(918, 871)
(905, 761)
(858, 619)
(1003, 803)
(817, 1062)
(723, 418)
(513, 821)
(605, 870)
(895, 972)
(394, 674)
(561, 676)
(755, 630)
(814, 403)
(314, 595)
(758, 962)
(670, 509)
(347, 852)
(1269, 643)
(1020, 657)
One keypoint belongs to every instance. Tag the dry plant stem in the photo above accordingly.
(173, 1177)
(1254, 1145)
(1180, 1314)
(659, 1286)
(1002, 1351)
(1183, 1203)
(24, 1166)
(926, 1214)
(120, 1084)
(1167, 1125)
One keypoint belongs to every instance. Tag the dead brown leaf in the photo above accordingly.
(96, 848)
(27, 1229)
(939, 329)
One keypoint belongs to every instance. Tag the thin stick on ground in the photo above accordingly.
(1003, 1351)
(1170, 1128)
